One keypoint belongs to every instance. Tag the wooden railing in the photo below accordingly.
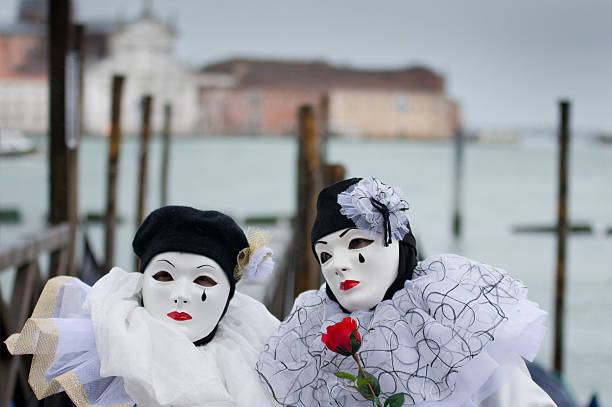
(23, 257)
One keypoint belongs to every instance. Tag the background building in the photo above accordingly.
(24, 91)
(23, 74)
(406, 103)
(236, 96)
(141, 51)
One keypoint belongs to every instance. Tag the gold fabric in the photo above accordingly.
(257, 239)
(39, 337)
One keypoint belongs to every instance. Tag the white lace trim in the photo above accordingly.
(356, 205)
(438, 340)
(260, 264)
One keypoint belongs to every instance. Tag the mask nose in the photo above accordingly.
(342, 264)
(179, 295)
(179, 299)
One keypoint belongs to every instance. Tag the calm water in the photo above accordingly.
(504, 186)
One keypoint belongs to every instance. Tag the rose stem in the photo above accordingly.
(363, 373)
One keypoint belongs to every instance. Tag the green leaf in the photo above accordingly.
(355, 344)
(365, 391)
(363, 382)
(344, 375)
(396, 400)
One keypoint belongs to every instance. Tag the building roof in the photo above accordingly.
(34, 11)
(23, 28)
(319, 75)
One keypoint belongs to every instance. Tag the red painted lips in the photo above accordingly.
(348, 284)
(179, 316)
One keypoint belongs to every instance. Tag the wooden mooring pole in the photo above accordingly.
(145, 133)
(458, 183)
(561, 236)
(165, 153)
(310, 182)
(62, 154)
(114, 147)
(332, 173)
(75, 62)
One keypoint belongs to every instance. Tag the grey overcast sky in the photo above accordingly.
(507, 62)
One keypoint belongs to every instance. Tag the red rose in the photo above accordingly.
(343, 337)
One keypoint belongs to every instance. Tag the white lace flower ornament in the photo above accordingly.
(376, 207)
(255, 261)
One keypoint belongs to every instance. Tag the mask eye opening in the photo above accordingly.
(359, 243)
(163, 276)
(324, 257)
(205, 281)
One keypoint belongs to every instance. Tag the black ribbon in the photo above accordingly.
(382, 208)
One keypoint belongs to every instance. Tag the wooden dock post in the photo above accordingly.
(458, 184)
(323, 126)
(145, 133)
(75, 62)
(165, 153)
(114, 147)
(78, 44)
(334, 173)
(564, 136)
(307, 273)
(62, 154)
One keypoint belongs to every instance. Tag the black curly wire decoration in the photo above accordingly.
(435, 329)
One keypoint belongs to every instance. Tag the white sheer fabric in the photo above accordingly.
(356, 205)
(109, 351)
(448, 338)
(60, 336)
(160, 366)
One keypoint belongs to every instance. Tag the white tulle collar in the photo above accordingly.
(160, 366)
(434, 340)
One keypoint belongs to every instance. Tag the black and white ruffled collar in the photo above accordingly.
(438, 340)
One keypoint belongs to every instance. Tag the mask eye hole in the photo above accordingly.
(359, 243)
(163, 276)
(205, 281)
(325, 257)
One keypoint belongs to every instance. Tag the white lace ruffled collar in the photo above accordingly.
(160, 366)
(438, 340)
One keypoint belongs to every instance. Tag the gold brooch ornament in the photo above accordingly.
(255, 261)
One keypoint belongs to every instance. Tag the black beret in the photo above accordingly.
(329, 219)
(189, 230)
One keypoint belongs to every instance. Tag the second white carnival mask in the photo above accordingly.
(188, 290)
(358, 267)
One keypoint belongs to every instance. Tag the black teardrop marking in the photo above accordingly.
(203, 295)
(361, 259)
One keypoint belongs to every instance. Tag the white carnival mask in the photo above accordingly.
(357, 267)
(188, 290)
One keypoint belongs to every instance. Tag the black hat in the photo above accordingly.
(329, 220)
(189, 230)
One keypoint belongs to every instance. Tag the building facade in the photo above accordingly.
(141, 51)
(236, 96)
(24, 91)
(266, 95)
(355, 112)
